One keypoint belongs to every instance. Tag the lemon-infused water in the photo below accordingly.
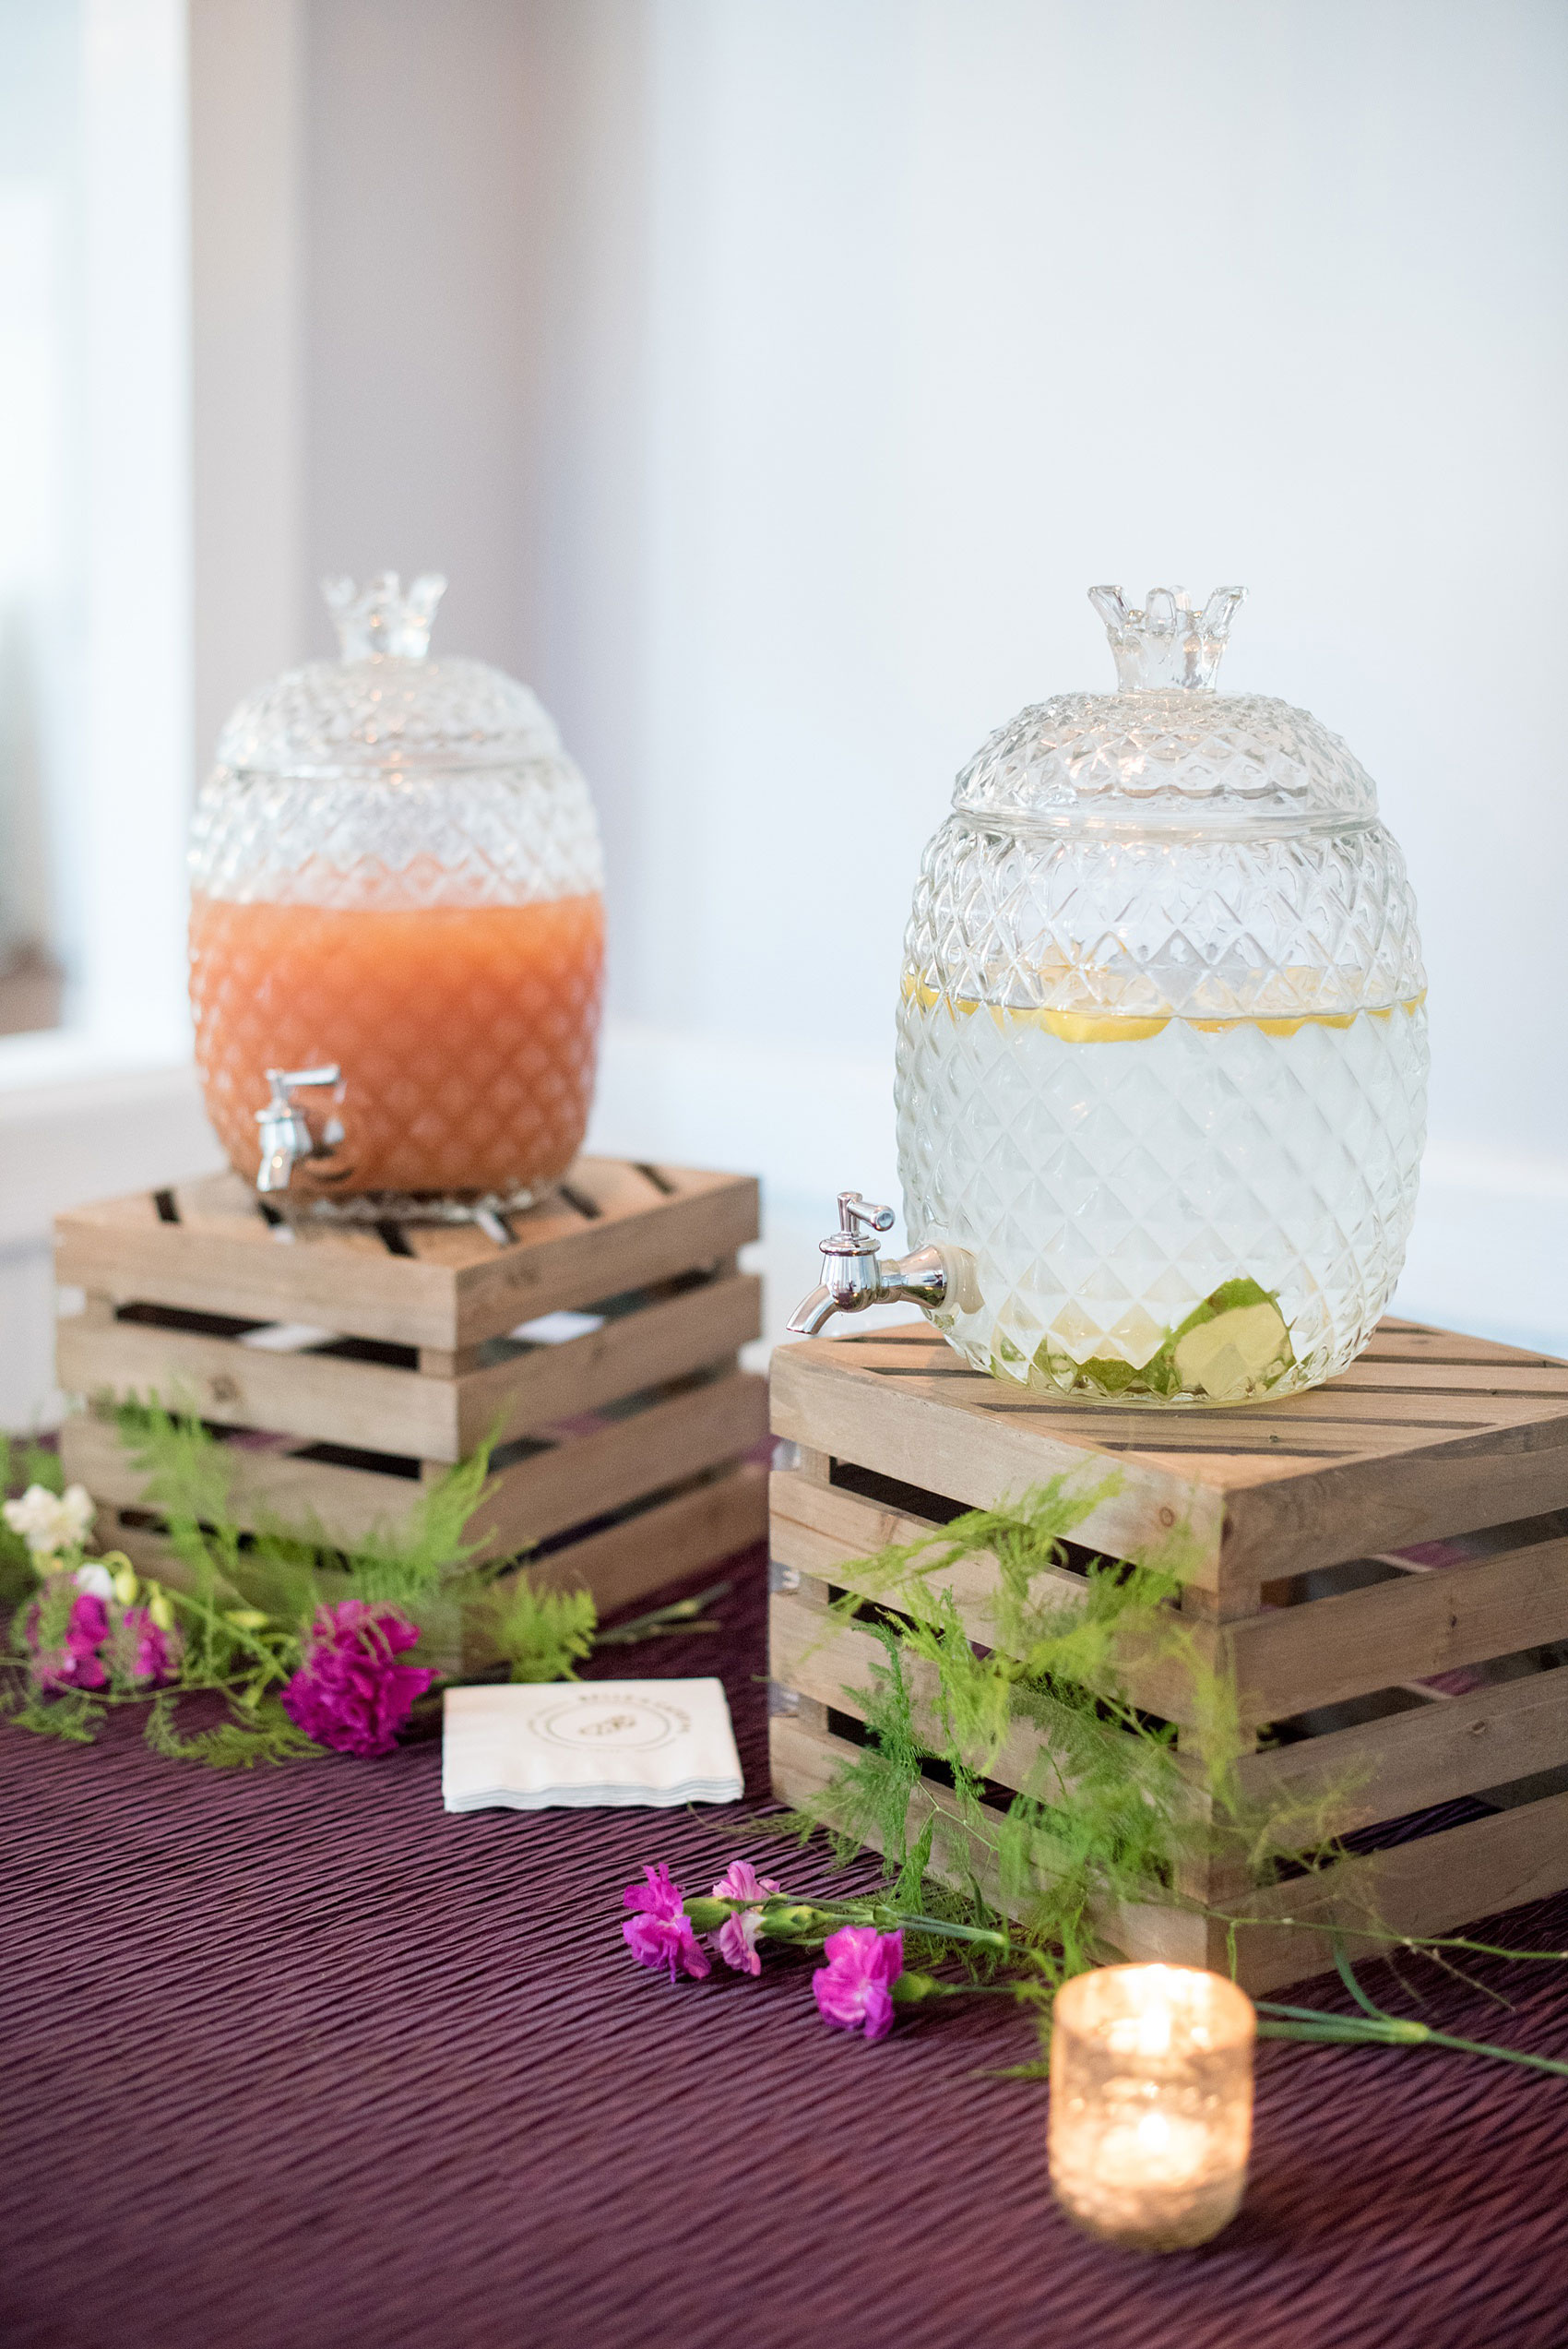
(1193, 1209)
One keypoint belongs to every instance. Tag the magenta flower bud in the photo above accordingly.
(738, 1930)
(350, 1692)
(660, 1934)
(854, 1989)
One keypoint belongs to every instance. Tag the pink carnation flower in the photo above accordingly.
(77, 1662)
(154, 1653)
(350, 1692)
(661, 1935)
(737, 1936)
(854, 1988)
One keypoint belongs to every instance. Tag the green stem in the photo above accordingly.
(1378, 1935)
(1348, 1977)
(911, 1921)
(679, 1614)
(870, 1912)
(1374, 2027)
(1357, 2031)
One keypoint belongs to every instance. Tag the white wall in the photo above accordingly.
(773, 381)
(954, 308)
(105, 1102)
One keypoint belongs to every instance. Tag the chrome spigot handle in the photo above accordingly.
(286, 1134)
(855, 1276)
(853, 1209)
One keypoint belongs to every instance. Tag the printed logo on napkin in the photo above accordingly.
(602, 1743)
(629, 1723)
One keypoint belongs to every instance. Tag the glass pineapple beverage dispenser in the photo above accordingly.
(1162, 1045)
(396, 929)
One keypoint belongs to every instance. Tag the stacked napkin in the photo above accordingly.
(582, 1745)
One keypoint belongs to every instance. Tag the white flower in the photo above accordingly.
(95, 1579)
(50, 1522)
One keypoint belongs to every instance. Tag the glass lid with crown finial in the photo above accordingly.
(386, 702)
(1166, 746)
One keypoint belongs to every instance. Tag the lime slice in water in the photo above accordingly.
(1229, 1353)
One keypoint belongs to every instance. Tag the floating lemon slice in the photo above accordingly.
(1091, 1027)
(1102, 1026)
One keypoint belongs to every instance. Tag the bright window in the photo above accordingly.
(94, 504)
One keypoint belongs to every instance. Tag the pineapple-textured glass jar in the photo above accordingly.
(396, 902)
(1163, 1047)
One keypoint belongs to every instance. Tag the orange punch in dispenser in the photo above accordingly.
(397, 929)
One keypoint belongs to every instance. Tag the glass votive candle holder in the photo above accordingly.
(1151, 2102)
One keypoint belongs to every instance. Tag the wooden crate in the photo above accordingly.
(1351, 1546)
(350, 1365)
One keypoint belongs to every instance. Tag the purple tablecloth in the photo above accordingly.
(292, 2060)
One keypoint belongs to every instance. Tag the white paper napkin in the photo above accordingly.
(582, 1745)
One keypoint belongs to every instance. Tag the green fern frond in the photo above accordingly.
(266, 1735)
(1109, 1813)
(541, 1634)
(408, 1562)
(73, 1716)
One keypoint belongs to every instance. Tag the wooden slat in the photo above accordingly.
(646, 1453)
(662, 1340)
(821, 1531)
(709, 1216)
(1374, 1396)
(455, 1288)
(1388, 1769)
(809, 1651)
(267, 1484)
(1434, 1885)
(1337, 1482)
(1291, 1660)
(805, 1758)
(390, 1409)
(222, 1208)
(1328, 1421)
(1404, 1344)
(664, 1543)
(981, 1458)
(1395, 1346)
(328, 1401)
(1287, 1661)
(1431, 1886)
(1373, 1372)
(363, 1292)
(661, 1544)
(1348, 1508)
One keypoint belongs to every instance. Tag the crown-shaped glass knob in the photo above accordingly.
(1169, 642)
(379, 618)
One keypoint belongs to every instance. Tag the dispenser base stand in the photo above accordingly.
(1383, 1563)
(597, 1344)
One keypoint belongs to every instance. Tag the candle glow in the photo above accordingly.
(1151, 2102)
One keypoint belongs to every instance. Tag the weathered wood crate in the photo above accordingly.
(350, 1365)
(1383, 1563)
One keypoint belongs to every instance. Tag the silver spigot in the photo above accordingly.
(287, 1137)
(854, 1275)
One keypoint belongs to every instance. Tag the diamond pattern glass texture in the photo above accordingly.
(1162, 1048)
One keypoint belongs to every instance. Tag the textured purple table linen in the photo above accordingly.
(292, 2060)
